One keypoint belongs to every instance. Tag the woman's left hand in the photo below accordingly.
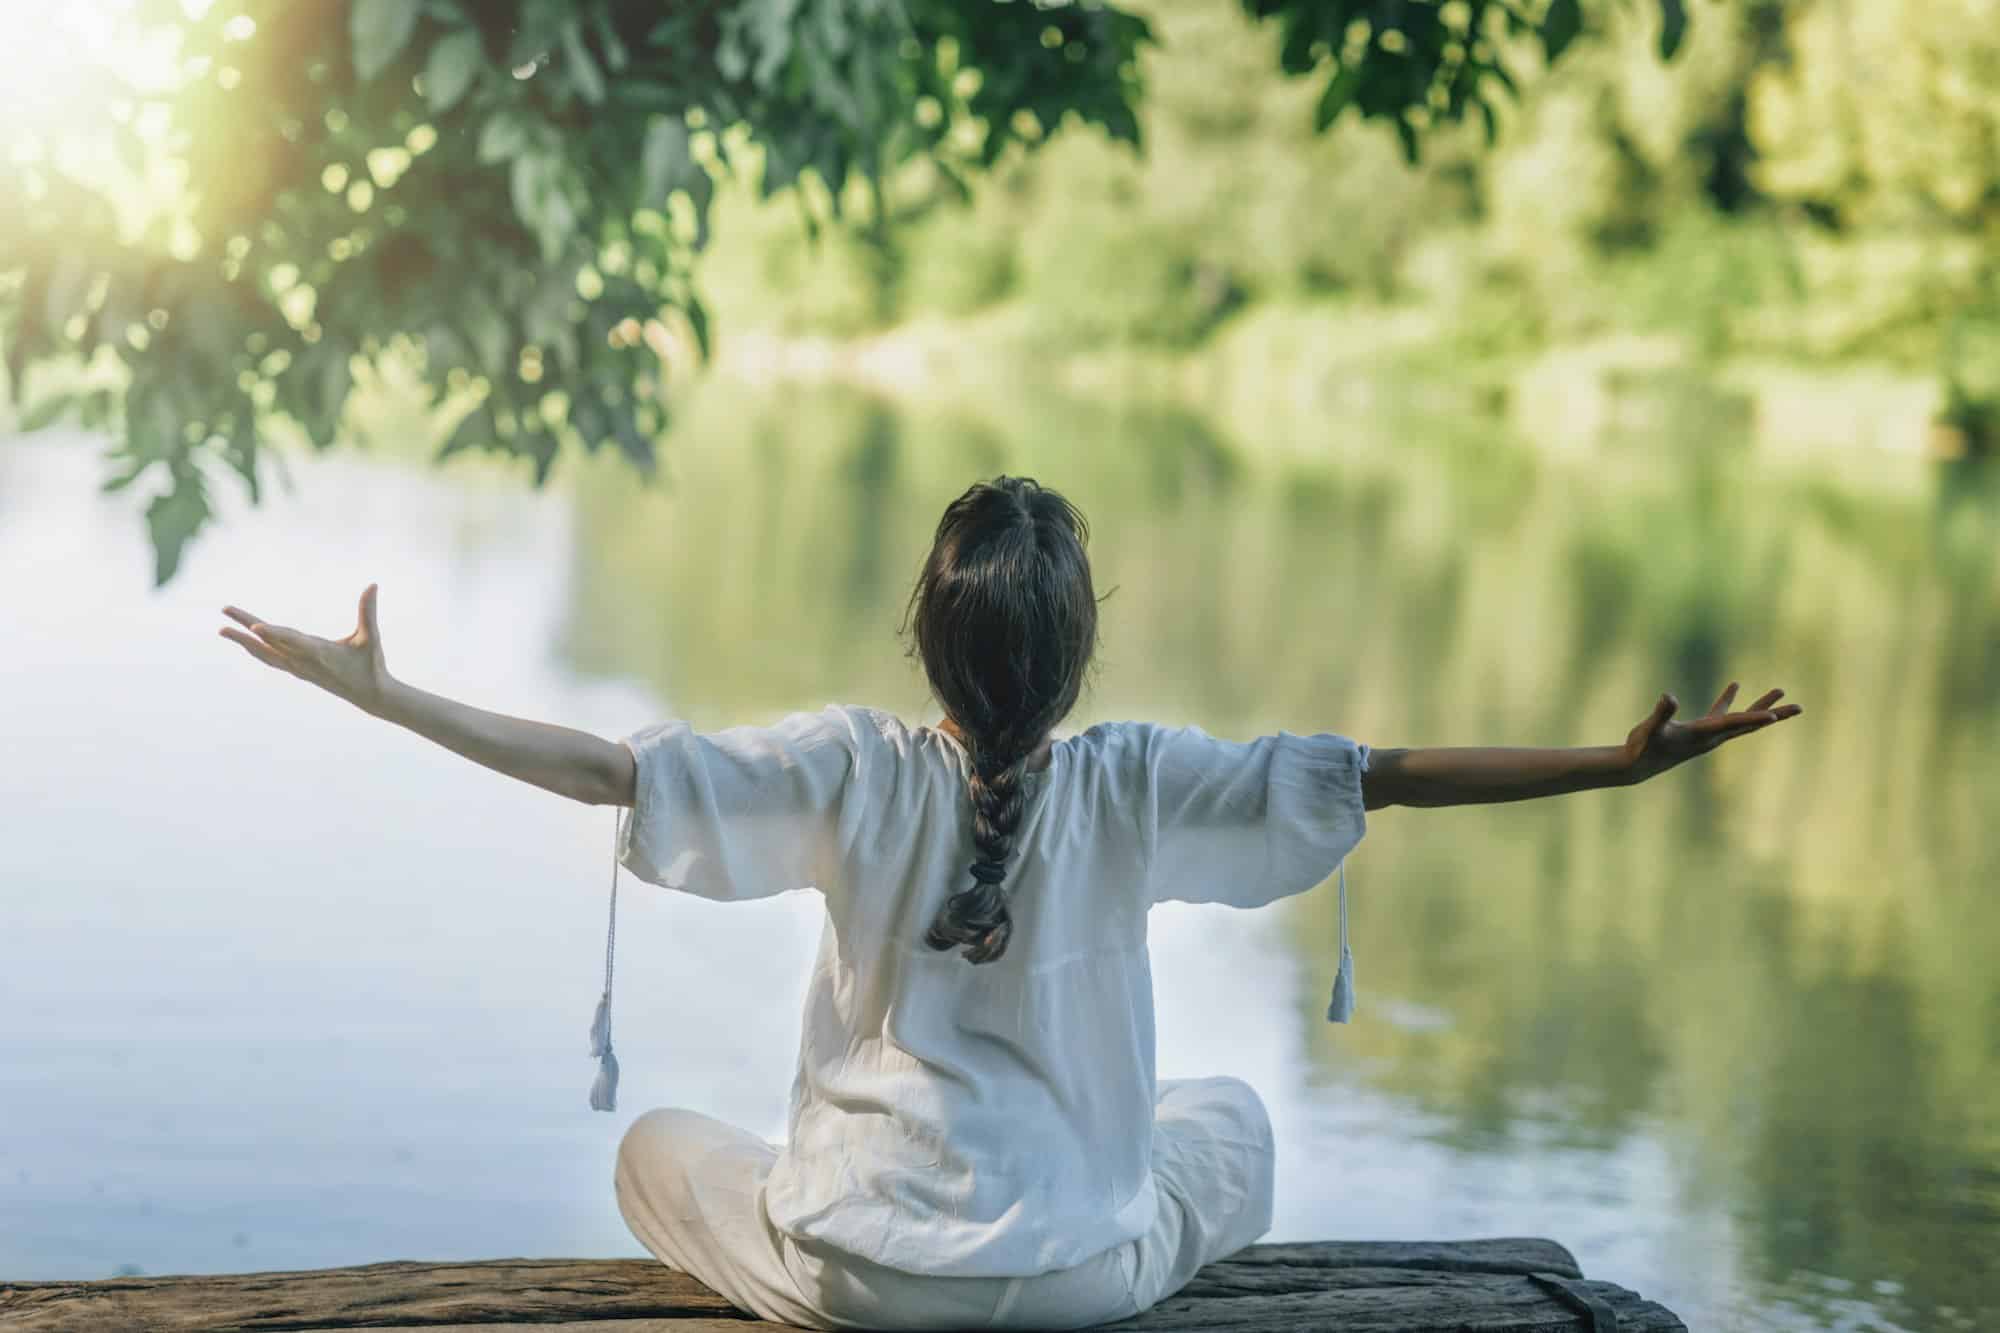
(1658, 744)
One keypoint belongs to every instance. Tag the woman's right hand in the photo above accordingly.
(352, 668)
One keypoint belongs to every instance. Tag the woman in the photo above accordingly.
(977, 1136)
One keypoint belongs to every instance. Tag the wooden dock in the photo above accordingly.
(1475, 1286)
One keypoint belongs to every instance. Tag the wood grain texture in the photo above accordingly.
(1461, 1303)
(521, 1291)
(1505, 1254)
(1477, 1286)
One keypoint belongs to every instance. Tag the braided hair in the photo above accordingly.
(1006, 624)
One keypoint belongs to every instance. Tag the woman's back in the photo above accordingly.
(975, 1125)
(988, 1120)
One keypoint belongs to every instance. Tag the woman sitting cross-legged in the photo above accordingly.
(977, 1136)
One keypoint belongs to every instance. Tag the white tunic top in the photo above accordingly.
(990, 1120)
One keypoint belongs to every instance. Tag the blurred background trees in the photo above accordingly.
(501, 207)
(1810, 179)
(249, 202)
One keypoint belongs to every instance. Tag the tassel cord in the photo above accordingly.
(611, 932)
(1343, 911)
(604, 1091)
(1340, 1007)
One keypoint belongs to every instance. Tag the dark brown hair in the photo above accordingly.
(1006, 625)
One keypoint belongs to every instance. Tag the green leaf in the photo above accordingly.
(1560, 26)
(956, 180)
(159, 424)
(46, 412)
(1673, 27)
(335, 379)
(172, 519)
(663, 160)
(476, 427)
(548, 317)
(542, 447)
(380, 29)
(773, 22)
(584, 75)
(493, 339)
(454, 62)
(1295, 53)
(505, 136)
(834, 33)
(1339, 92)
(96, 411)
(132, 473)
(27, 330)
(730, 58)
(541, 203)
(631, 442)
(1408, 134)
(68, 284)
(697, 316)
(528, 186)
(615, 55)
(781, 168)
(701, 193)
(243, 456)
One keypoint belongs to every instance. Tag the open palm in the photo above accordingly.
(352, 668)
(1658, 743)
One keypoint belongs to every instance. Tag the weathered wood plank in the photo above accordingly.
(1226, 1280)
(371, 1296)
(1464, 1303)
(577, 1326)
(1366, 1287)
(1503, 1254)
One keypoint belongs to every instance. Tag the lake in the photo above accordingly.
(284, 987)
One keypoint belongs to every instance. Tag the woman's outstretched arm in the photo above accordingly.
(1469, 775)
(563, 760)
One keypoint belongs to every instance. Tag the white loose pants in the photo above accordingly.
(689, 1186)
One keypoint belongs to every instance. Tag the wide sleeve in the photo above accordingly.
(1245, 822)
(746, 812)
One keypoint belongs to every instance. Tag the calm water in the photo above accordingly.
(281, 986)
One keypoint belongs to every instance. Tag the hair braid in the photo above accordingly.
(1006, 624)
(977, 915)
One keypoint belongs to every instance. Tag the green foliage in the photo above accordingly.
(957, 265)
(1422, 64)
(1882, 131)
(1143, 281)
(1803, 182)
(518, 192)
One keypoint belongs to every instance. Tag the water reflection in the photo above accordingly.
(1765, 963)
(1728, 1035)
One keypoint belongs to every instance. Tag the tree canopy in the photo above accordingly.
(516, 192)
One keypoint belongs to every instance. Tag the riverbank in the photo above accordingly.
(1288, 379)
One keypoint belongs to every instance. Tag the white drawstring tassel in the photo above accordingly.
(1341, 1007)
(600, 1026)
(604, 1088)
(604, 1091)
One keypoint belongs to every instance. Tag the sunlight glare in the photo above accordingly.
(70, 65)
(55, 59)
